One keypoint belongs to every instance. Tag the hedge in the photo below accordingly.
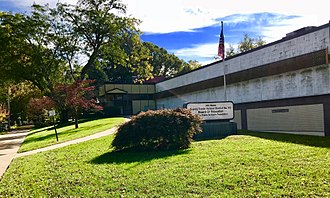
(158, 130)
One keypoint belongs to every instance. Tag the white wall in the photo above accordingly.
(297, 46)
(238, 119)
(302, 119)
(306, 82)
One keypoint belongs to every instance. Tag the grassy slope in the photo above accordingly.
(237, 166)
(46, 136)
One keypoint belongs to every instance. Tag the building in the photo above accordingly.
(128, 98)
(283, 86)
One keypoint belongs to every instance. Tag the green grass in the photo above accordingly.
(236, 166)
(43, 137)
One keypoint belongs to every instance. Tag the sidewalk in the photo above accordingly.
(9, 145)
(11, 142)
(60, 145)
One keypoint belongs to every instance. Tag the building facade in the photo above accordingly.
(283, 86)
(128, 98)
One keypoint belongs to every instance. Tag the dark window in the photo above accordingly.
(280, 110)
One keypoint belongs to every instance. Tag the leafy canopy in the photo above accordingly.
(245, 45)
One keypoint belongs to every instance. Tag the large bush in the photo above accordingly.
(158, 130)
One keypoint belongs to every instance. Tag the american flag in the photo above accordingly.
(221, 48)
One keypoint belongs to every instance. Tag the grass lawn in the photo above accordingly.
(248, 165)
(46, 136)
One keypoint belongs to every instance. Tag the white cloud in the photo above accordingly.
(204, 52)
(168, 16)
(277, 32)
(185, 15)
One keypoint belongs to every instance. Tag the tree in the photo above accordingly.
(25, 52)
(38, 109)
(231, 51)
(191, 65)
(46, 46)
(163, 63)
(20, 95)
(135, 60)
(17, 96)
(245, 45)
(76, 97)
(3, 115)
(94, 27)
(157, 61)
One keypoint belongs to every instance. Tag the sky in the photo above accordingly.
(190, 28)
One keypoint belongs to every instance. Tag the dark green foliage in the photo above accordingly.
(158, 130)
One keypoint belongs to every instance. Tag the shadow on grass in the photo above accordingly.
(80, 121)
(199, 139)
(41, 138)
(40, 130)
(316, 141)
(59, 125)
(62, 134)
(118, 157)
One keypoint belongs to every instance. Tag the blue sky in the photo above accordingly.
(190, 28)
(184, 43)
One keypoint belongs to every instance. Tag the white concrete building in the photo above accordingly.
(283, 86)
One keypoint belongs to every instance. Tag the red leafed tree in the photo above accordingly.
(76, 97)
(38, 108)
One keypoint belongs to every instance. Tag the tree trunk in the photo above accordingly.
(64, 116)
(89, 64)
(76, 119)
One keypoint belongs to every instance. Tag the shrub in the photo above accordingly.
(158, 130)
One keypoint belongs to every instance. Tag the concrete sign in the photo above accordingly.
(213, 110)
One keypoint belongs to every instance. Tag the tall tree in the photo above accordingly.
(24, 52)
(191, 65)
(134, 61)
(47, 46)
(156, 59)
(163, 63)
(93, 25)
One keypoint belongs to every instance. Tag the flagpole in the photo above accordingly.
(221, 53)
(223, 56)
(224, 79)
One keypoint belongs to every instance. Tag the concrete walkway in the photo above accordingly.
(60, 145)
(9, 145)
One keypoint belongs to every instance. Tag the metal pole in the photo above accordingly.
(224, 79)
(55, 128)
